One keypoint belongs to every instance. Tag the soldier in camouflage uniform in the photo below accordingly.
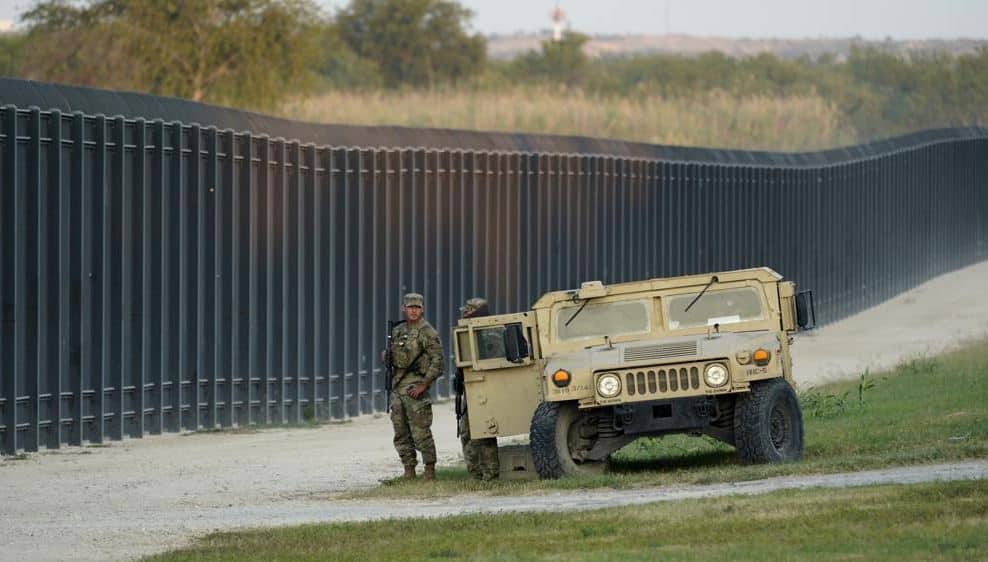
(417, 355)
(479, 454)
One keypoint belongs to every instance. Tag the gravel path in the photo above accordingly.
(143, 496)
(153, 530)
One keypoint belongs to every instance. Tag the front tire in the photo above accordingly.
(768, 424)
(559, 436)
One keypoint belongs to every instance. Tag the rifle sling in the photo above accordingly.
(411, 368)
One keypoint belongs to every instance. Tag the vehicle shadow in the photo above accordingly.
(672, 463)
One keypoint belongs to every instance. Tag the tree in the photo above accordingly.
(560, 61)
(414, 42)
(564, 59)
(972, 87)
(65, 44)
(341, 68)
(11, 51)
(242, 52)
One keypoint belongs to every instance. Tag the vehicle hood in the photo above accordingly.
(667, 350)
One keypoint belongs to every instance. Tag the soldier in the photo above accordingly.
(417, 355)
(479, 454)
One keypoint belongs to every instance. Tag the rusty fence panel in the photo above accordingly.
(158, 276)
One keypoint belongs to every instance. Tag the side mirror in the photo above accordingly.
(805, 312)
(515, 344)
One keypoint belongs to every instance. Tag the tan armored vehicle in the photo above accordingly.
(587, 371)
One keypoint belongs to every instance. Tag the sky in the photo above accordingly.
(871, 19)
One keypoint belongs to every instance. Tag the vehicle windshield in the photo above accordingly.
(602, 319)
(726, 306)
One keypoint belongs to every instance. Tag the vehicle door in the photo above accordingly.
(501, 395)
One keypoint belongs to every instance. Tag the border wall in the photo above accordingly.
(169, 266)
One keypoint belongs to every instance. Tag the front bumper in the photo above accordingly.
(665, 416)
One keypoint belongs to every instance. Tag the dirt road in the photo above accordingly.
(143, 496)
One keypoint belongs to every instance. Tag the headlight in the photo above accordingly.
(715, 375)
(609, 386)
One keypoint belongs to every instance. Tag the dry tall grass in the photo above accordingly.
(715, 120)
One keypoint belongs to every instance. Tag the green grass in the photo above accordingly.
(939, 521)
(923, 411)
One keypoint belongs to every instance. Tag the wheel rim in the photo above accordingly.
(779, 427)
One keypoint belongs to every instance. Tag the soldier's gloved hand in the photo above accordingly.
(418, 390)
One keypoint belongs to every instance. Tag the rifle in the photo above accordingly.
(460, 407)
(389, 366)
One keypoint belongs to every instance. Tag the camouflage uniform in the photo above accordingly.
(417, 354)
(480, 455)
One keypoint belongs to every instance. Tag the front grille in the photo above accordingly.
(662, 351)
(661, 381)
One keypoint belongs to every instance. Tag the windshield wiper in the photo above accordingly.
(575, 314)
(690, 305)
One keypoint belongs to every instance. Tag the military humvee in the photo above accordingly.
(587, 371)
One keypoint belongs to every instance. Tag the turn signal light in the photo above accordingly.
(761, 356)
(561, 378)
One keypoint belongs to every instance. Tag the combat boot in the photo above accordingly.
(409, 472)
(430, 472)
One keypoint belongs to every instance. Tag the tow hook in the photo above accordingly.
(706, 408)
(624, 415)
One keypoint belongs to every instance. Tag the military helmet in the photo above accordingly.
(477, 306)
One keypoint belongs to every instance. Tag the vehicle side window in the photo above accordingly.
(490, 342)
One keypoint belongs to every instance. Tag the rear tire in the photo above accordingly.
(557, 441)
(768, 424)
